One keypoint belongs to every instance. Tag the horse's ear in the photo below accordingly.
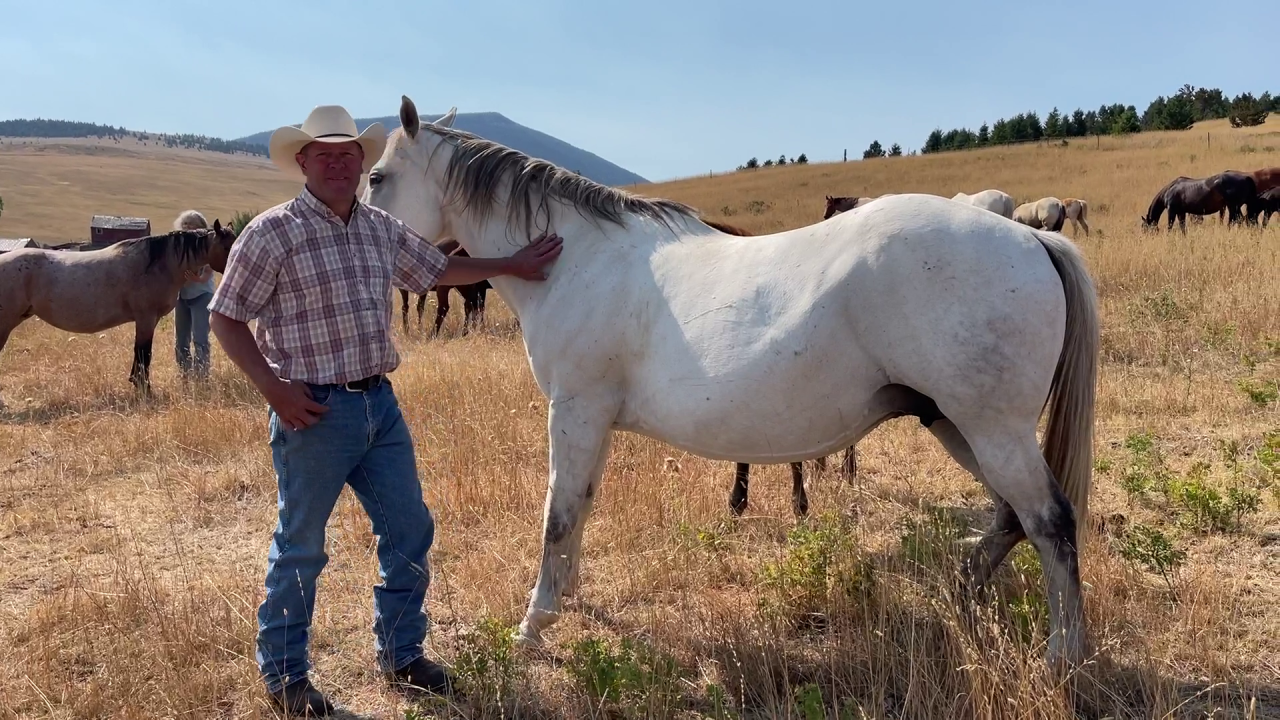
(409, 116)
(217, 226)
(829, 198)
(447, 120)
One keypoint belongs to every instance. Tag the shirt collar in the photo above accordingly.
(317, 206)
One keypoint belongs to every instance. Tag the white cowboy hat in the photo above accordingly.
(326, 123)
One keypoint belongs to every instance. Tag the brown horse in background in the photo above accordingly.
(135, 280)
(1229, 191)
(837, 205)
(473, 297)
(741, 475)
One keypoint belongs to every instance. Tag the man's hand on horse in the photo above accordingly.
(529, 261)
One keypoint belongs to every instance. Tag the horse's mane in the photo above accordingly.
(184, 245)
(477, 167)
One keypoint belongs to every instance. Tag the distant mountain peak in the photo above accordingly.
(499, 128)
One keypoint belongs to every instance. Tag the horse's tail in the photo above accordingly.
(190, 220)
(1061, 219)
(1068, 438)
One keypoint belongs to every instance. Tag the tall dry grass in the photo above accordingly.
(133, 533)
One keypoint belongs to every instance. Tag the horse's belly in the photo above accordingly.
(784, 405)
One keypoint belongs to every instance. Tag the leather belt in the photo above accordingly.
(365, 384)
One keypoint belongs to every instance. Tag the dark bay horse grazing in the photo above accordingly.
(1266, 179)
(1267, 203)
(1184, 196)
(134, 281)
(742, 472)
(472, 297)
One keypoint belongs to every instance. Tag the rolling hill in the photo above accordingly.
(498, 128)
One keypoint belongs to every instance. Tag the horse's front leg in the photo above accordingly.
(738, 496)
(579, 427)
(143, 334)
(850, 465)
(799, 499)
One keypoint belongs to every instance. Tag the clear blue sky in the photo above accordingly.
(662, 88)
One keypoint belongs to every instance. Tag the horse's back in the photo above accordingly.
(946, 299)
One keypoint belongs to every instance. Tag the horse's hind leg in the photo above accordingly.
(799, 499)
(442, 309)
(738, 496)
(404, 308)
(579, 430)
(1015, 470)
(1005, 531)
(422, 308)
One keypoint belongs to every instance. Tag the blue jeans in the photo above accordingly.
(362, 441)
(191, 323)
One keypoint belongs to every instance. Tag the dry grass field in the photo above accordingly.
(133, 534)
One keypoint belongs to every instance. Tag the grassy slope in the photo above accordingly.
(133, 535)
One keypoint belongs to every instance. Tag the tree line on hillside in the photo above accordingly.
(754, 163)
(1179, 111)
(43, 128)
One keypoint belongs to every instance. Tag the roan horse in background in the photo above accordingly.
(472, 298)
(1184, 196)
(134, 280)
(742, 471)
(782, 347)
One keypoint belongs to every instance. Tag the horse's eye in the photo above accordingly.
(375, 178)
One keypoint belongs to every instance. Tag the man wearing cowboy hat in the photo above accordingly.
(316, 273)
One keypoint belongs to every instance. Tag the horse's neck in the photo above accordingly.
(581, 238)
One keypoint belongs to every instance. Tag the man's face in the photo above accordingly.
(332, 168)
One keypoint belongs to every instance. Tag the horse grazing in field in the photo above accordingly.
(779, 348)
(1264, 181)
(742, 471)
(1077, 211)
(837, 205)
(996, 201)
(1043, 214)
(473, 297)
(1229, 191)
(135, 280)
(1267, 203)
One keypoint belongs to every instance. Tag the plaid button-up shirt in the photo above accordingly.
(321, 290)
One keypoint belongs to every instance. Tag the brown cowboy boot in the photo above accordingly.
(420, 676)
(301, 699)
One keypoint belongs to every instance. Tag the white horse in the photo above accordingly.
(1044, 214)
(779, 348)
(998, 202)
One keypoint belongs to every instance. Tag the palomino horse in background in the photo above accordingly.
(472, 298)
(782, 347)
(1043, 214)
(837, 205)
(1077, 211)
(742, 471)
(1229, 191)
(996, 201)
(135, 280)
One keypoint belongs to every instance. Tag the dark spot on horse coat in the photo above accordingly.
(557, 529)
